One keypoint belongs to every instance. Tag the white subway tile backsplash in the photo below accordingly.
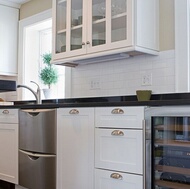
(124, 77)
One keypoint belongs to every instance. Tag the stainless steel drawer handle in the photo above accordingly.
(116, 176)
(117, 111)
(5, 112)
(74, 111)
(117, 133)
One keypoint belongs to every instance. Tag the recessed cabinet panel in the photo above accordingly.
(9, 145)
(116, 180)
(8, 40)
(119, 149)
(75, 148)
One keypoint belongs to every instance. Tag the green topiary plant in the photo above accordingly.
(48, 74)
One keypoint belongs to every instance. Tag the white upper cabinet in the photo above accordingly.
(8, 40)
(87, 29)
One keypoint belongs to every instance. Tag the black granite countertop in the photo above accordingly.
(169, 99)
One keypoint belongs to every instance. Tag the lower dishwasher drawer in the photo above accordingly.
(105, 179)
(37, 171)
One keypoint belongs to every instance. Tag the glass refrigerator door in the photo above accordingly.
(171, 152)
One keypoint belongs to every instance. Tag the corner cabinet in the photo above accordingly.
(85, 29)
(75, 148)
(9, 145)
(8, 40)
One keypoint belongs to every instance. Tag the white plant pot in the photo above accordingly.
(48, 93)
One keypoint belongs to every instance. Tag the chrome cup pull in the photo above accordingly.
(5, 112)
(117, 133)
(117, 111)
(116, 176)
(74, 111)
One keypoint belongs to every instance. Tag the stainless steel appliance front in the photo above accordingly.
(170, 147)
(37, 148)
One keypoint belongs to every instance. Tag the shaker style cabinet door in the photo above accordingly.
(9, 146)
(119, 117)
(75, 148)
(119, 150)
(8, 40)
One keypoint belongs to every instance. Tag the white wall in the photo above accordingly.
(124, 77)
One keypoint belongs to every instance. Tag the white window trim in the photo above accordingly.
(22, 25)
(182, 45)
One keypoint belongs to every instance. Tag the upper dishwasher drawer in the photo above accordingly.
(119, 117)
(8, 116)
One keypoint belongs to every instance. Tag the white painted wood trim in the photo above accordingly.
(182, 45)
(10, 4)
(22, 27)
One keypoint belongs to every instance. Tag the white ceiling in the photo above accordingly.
(19, 1)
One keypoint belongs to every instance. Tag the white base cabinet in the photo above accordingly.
(119, 141)
(117, 180)
(75, 148)
(9, 145)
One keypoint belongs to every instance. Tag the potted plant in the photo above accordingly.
(48, 74)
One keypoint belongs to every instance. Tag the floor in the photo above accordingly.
(6, 185)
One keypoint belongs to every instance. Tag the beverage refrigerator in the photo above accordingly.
(168, 152)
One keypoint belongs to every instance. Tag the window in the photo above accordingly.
(35, 35)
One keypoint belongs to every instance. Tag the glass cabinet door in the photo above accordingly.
(69, 28)
(118, 20)
(76, 24)
(61, 23)
(98, 22)
(111, 24)
(171, 152)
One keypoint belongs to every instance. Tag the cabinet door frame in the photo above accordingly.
(71, 139)
(11, 174)
(108, 144)
(69, 53)
(112, 45)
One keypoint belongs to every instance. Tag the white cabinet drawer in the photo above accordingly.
(106, 180)
(119, 117)
(122, 152)
(8, 116)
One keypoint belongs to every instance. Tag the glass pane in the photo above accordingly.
(171, 136)
(76, 24)
(61, 23)
(76, 12)
(61, 42)
(98, 22)
(119, 20)
(98, 34)
(76, 39)
(118, 7)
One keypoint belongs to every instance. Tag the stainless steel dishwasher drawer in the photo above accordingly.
(37, 171)
(37, 130)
